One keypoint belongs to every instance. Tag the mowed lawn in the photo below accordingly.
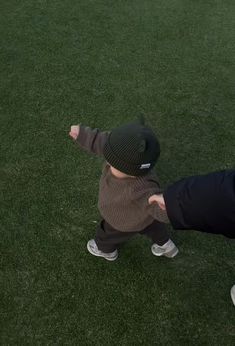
(102, 63)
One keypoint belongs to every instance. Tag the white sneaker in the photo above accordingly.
(168, 249)
(233, 294)
(93, 249)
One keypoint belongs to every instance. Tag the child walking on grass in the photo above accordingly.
(127, 181)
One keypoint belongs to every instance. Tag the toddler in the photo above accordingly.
(126, 184)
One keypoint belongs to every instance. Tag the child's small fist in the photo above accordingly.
(74, 131)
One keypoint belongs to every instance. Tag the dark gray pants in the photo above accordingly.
(108, 239)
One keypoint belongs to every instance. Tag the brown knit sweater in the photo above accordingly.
(123, 202)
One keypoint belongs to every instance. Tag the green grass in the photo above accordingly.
(102, 63)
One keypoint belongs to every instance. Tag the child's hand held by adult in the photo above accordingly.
(74, 131)
(157, 199)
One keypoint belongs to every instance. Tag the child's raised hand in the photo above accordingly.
(74, 131)
(157, 199)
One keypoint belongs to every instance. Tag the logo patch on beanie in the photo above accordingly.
(145, 165)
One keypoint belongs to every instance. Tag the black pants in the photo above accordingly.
(108, 239)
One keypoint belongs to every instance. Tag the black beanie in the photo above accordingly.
(132, 149)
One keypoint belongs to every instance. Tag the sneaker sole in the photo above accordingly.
(97, 255)
(169, 254)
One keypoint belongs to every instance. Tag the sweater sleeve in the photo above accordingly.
(92, 140)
